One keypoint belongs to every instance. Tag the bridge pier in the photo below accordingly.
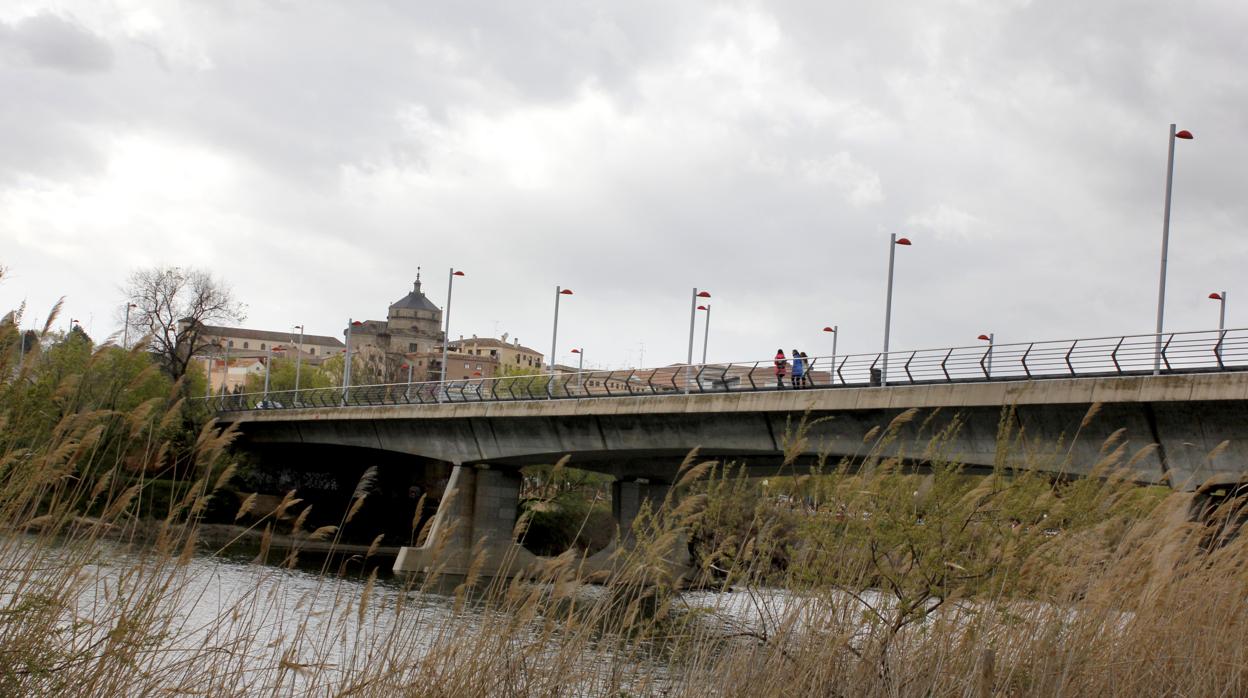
(473, 530)
(475, 521)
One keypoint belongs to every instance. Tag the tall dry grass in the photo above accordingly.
(858, 577)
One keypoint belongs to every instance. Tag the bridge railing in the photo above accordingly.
(1181, 352)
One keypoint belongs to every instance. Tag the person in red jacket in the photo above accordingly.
(782, 365)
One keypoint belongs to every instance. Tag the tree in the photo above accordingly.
(171, 307)
(282, 376)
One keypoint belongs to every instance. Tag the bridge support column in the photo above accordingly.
(627, 499)
(475, 521)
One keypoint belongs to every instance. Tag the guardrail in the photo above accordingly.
(1181, 352)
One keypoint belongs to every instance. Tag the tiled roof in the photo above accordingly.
(490, 342)
(415, 301)
(291, 337)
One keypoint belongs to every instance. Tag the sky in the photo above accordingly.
(311, 155)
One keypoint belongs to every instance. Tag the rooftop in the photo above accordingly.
(291, 336)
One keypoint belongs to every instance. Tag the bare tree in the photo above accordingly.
(171, 307)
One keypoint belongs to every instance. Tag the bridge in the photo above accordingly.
(637, 425)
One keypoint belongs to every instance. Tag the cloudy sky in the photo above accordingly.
(313, 154)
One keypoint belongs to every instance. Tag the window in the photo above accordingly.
(478, 367)
(412, 347)
(231, 343)
(262, 346)
(466, 367)
(246, 345)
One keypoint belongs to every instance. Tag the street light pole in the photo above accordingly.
(225, 370)
(693, 316)
(991, 338)
(125, 330)
(346, 366)
(298, 360)
(268, 361)
(580, 366)
(893, 242)
(835, 330)
(1165, 245)
(407, 393)
(554, 333)
(1221, 299)
(446, 333)
(706, 330)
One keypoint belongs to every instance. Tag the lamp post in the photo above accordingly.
(225, 370)
(991, 338)
(693, 316)
(298, 359)
(1165, 245)
(1221, 299)
(893, 242)
(407, 392)
(835, 330)
(346, 364)
(580, 366)
(554, 334)
(706, 330)
(268, 363)
(446, 333)
(125, 329)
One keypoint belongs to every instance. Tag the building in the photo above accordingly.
(411, 336)
(235, 353)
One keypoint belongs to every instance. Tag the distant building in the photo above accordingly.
(245, 350)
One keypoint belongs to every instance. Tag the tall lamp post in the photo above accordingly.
(554, 332)
(991, 338)
(693, 316)
(1165, 246)
(268, 364)
(893, 242)
(446, 333)
(298, 359)
(580, 366)
(407, 393)
(706, 330)
(125, 329)
(835, 330)
(1221, 299)
(346, 365)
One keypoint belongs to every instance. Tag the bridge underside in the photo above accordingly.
(1193, 429)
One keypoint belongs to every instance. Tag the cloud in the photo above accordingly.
(49, 40)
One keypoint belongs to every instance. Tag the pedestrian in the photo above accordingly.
(782, 365)
(799, 369)
(809, 368)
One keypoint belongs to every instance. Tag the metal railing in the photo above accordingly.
(1182, 352)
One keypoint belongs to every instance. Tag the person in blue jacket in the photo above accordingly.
(799, 369)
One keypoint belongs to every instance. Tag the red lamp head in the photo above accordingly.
(576, 351)
(404, 366)
(566, 292)
(828, 329)
(903, 241)
(1185, 135)
(701, 307)
(703, 294)
(457, 273)
(984, 337)
(1215, 296)
(357, 323)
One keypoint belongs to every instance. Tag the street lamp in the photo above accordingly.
(991, 338)
(835, 330)
(446, 334)
(407, 393)
(580, 366)
(893, 242)
(268, 362)
(125, 330)
(706, 330)
(298, 359)
(554, 333)
(1221, 299)
(346, 365)
(1165, 245)
(693, 315)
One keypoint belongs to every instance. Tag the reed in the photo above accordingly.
(863, 576)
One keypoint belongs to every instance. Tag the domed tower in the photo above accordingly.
(414, 320)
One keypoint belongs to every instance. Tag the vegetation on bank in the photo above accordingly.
(875, 579)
